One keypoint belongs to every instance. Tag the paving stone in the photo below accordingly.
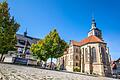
(16, 72)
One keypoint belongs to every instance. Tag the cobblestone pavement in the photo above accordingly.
(15, 72)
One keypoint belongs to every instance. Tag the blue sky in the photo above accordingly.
(72, 19)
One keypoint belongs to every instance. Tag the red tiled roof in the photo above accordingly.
(75, 43)
(90, 39)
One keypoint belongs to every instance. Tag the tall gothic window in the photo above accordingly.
(86, 54)
(94, 54)
(76, 50)
(83, 54)
(103, 55)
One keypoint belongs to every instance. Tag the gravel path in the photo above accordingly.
(15, 72)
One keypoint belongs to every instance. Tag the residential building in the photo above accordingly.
(25, 41)
(116, 67)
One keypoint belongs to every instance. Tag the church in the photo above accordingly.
(90, 55)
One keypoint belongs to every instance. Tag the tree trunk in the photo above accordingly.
(1, 57)
(40, 63)
(45, 64)
(51, 63)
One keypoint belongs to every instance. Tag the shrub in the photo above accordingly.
(76, 69)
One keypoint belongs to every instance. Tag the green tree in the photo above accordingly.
(54, 45)
(38, 50)
(8, 29)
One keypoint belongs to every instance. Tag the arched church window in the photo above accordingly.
(76, 50)
(86, 54)
(94, 54)
(103, 55)
(83, 51)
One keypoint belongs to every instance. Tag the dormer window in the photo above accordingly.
(22, 42)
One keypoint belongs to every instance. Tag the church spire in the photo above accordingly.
(93, 24)
(25, 33)
(94, 30)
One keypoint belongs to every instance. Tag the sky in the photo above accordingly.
(71, 18)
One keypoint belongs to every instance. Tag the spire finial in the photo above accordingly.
(26, 30)
(93, 25)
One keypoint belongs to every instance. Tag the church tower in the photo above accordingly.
(94, 30)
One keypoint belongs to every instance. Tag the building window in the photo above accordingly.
(86, 54)
(76, 50)
(71, 57)
(94, 54)
(83, 51)
(70, 63)
(20, 50)
(70, 50)
(22, 42)
(68, 57)
(103, 55)
(65, 57)
(76, 64)
(76, 57)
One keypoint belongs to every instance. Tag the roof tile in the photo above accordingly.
(90, 39)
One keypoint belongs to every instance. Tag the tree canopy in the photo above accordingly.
(8, 29)
(39, 51)
(52, 46)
